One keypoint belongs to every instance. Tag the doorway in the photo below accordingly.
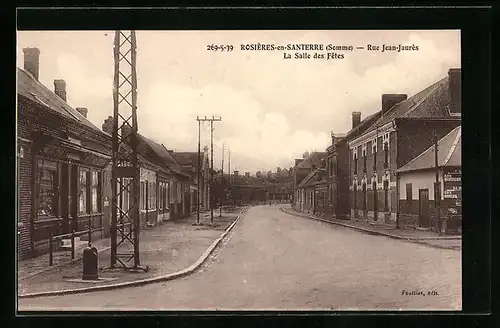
(423, 208)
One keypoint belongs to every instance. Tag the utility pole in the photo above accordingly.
(125, 173)
(199, 174)
(437, 188)
(223, 189)
(211, 120)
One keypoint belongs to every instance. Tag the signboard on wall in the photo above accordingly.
(453, 184)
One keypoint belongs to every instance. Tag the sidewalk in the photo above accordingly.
(417, 236)
(170, 247)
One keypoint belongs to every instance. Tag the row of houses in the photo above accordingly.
(64, 168)
(399, 166)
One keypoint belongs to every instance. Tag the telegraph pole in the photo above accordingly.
(199, 174)
(437, 188)
(223, 189)
(211, 120)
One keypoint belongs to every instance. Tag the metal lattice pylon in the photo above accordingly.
(125, 176)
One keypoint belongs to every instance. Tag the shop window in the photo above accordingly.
(94, 191)
(82, 191)
(48, 198)
(143, 195)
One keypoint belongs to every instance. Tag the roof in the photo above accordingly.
(164, 154)
(426, 103)
(314, 158)
(30, 88)
(187, 158)
(309, 178)
(363, 125)
(449, 153)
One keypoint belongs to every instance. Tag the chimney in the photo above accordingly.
(83, 111)
(455, 87)
(32, 61)
(236, 173)
(60, 89)
(126, 131)
(107, 126)
(391, 99)
(356, 119)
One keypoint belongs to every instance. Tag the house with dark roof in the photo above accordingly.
(393, 136)
(62, 164)
(303, 168)
(312, 191)
(164, 184)
(420, 196)
(189, 162)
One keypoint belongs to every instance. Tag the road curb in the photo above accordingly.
(372, 232)
(141, 282)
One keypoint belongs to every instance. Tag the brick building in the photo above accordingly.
(62, 161)
(337, 176)
(417, 192)
(392, 137)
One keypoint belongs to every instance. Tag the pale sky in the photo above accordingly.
(272, 109)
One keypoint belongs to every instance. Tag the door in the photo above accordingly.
(423, 208)
(375, 201)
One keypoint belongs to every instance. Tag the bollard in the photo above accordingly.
(90, 263)
(73, 244)
(50, 251)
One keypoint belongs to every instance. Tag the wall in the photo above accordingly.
(376, 170)
(425, 179)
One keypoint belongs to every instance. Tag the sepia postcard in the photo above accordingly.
(310, 170)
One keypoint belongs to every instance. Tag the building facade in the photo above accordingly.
(62, 160)
(420, 196)
(401, 130)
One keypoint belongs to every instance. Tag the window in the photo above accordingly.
(364, 161)
(94, 191)
(355, 164)
(355, 188)
(82, 191)
(143, 195)
(364, 196)
(374, 151)
(386, 195)
(48, 198)
(409, 196)
(386, 155)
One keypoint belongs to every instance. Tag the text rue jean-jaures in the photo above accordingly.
(314, 50)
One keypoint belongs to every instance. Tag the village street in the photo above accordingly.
(272, 260)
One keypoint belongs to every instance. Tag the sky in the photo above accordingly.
(272, 109)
